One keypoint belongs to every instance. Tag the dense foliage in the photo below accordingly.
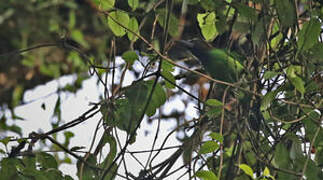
(259, 108)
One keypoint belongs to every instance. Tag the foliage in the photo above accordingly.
(264, 123)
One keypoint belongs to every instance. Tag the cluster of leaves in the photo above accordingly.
(268, 124)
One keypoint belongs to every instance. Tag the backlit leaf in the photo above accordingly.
(207, 24)
(247, 169)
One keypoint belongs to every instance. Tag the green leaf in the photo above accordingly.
(110, 157)
(6, 140)
(133, 26)
(133, 4)
(297, 82)
(122, 18)
(104, 4)
(17, 95)
(214, 102)
(158, 98)
(77, 148)
(207, 24)
(286, 12)
(247, 169)
(172, 24)
(270, 74)
(309, 34)
(216, 136)
(206, 175)
(246, 11)
(169, 77)
(72, 20)
(130, 57)
(208, 147)
(258, 33)
(8, 169)
(281, 156)
(46, 160)
(77, 35)
(87, 172)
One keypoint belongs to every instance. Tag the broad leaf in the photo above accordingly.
(133, 26)
(208, 147)
(122, 18)
(247, 169)
(206, 175)
(309, 34)
(207, 24)
(286, 12)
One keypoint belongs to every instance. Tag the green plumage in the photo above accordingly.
(217, 62)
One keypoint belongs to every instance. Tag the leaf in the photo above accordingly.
(122, 18)
(214, 102)
(216, 136)
(206, 175)
(130, 57)
(286, 12)
(246, 11)
(208, 147)
(258, 33)
(8, 169)
(158, 97)
(77, 35)
(87, 172)
(270, 74)
(71, 23)
(281, 156)
(133, 4)
(46, 160)
(77, 148)
(104, 4)
(133, 26)
(110, 157)
(169, 77)
(172, 24)
(247, 169)
(17, 95)
(207, 24)
(297, 82)
(6, 140)
(57, 109)
(309, 34)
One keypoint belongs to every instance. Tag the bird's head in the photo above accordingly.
(197, 47)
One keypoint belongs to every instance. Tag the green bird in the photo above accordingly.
(220, 64)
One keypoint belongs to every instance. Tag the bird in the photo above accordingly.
(218, 63)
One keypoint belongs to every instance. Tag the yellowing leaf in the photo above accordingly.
(266, 172)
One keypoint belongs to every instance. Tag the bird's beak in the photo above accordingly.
(186, 44)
